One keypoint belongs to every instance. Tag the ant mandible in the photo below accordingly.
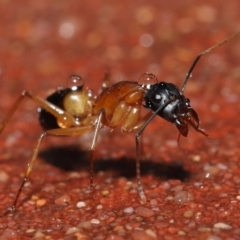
(74, 111)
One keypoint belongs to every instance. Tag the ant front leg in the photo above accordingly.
(74, 131)
(138, 148)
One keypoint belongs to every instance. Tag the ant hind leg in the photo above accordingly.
(74, 131)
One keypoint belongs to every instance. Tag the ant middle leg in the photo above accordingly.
(98, 126)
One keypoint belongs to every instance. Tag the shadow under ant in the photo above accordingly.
(71, 158)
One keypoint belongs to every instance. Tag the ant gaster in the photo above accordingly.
(75, 111)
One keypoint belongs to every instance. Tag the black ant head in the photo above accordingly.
(167, 101)
(178, 111)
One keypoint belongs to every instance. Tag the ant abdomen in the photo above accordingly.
(73, 100)
(46, 119)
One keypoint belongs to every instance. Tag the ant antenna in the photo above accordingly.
(204, 53)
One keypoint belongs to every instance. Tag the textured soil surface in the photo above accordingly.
(193, 192)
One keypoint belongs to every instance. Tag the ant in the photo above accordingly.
(74, 111)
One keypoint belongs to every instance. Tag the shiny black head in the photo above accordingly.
(178, 111)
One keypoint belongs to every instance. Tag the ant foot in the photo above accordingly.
(142, 196)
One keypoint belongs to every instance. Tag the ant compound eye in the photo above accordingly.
(75, 81)
(147, 79)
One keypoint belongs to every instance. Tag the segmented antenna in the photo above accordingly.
(204, 53)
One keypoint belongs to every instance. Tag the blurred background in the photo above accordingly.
(42, 43)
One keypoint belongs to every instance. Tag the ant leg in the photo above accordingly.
(75, 131)
(80, 130)
(27, 174)
(138, 156)
(11, 112)
(93, 146)
(64, 117)
(138, 150)
(138, 171)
